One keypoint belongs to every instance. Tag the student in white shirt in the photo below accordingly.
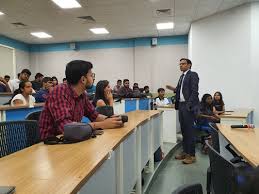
(23, 76)
(161, 100)
(22, 96)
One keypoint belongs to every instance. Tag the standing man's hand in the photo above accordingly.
(170, 87)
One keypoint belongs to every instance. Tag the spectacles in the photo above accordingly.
(91, 75)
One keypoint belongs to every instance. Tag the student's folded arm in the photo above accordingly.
(17, 102)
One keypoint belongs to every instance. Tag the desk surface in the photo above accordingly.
(61, 169)
(237, 113)
(245, 141)
(8, 107)
(166, 106)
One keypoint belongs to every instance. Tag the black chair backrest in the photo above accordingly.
(215, 136)
(33, 115)
(17, 135)
(222, 173)
(105, 110)
(189, 189)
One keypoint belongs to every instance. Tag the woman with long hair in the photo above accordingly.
(103, 95)
(218, 103)
(22, 96)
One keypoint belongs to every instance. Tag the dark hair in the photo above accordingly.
(47, 79)
(26, 71)
(76, 69)
(64, 79)
(19, 90)
(221, 102)
(7, 76)
(203, 101)
(125, 80)
(187, 60)
(119, 80)
(99, 93)
(54, 77)
(146, 87)
(135, 84)
(38, 75)
(160, 90)
(18, 75)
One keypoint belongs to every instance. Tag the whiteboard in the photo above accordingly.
(7, 61)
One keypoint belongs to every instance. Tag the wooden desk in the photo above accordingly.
(245, 142)
(171, 125)
(131, 104)
(11, 113)
(238, 116)
(110, 163)
(5, 97)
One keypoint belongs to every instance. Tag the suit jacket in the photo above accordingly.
(190, 91)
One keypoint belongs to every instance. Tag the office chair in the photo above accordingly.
(189, 189)
(33, 115)
(226, 177)
(17, 135)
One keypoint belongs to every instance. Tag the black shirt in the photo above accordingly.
(218, 106)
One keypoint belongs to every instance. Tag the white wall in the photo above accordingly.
(7, 62)
(223, 48)
(108, 64)
(255, 58)
(158, 66)
(154, 66)
(22, 61)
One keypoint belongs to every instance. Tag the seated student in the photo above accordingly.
(37, 83)
(23, 76)
(135, 85)
(161, 100)
(125, 91)
(7, 78)
(117, 87)
(22, 96)
(103, 94)
(43, 93)
(54, 81)
(68, 103)
(206, 111)
(4, 86)
(146, 91)
(218, 103)
(64, 80)
(92, 88)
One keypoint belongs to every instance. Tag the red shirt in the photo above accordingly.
(64, 106)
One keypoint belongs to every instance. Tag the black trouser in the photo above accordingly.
(186, 119)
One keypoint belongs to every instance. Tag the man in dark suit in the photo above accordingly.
(187, 102)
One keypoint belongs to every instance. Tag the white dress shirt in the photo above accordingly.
(181, 90)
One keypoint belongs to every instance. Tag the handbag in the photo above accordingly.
(73, 132)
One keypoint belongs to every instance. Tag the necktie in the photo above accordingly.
(181, 80)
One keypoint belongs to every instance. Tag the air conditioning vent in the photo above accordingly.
(19, 24)
(87, 18)
(164, 12)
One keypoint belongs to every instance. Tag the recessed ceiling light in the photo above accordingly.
(1, 13)
(41, 34)
(164, 26)
(99, 31)
(67, 4)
